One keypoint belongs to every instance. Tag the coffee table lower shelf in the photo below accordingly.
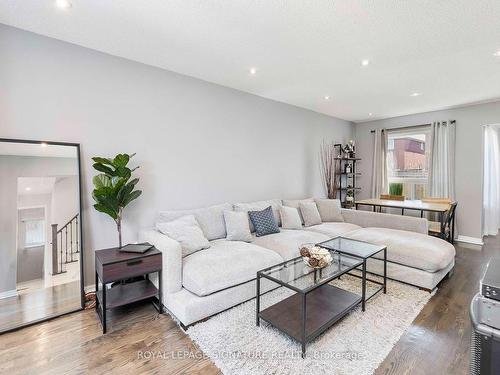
(323, 307)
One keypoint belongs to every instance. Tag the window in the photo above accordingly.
(34, 233)
(408, 162)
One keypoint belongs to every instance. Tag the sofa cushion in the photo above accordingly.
(237, 226)
(211, 219)
(410, 249)
(310, 213)
(187, 232)
(223, 265)
(287, 242)
(333, 229)
(330, 210)
(264, 222)
(295, 204)
(260, 205)
(290, 218)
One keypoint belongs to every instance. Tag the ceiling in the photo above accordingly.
(302, 50)
(35, 185)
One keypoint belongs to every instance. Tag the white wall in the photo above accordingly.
(468, 175)
(65, 202)
(197, 143)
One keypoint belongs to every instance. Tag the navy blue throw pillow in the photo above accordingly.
(264, 222)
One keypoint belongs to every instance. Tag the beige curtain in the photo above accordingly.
(442, 160)
(379, 168)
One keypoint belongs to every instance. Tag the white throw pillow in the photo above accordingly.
(187, 232)
(290, 218)
(330, 210)
(295, 203)
(237, 226)
(310, 213)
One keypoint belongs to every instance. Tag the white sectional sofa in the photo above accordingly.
(212, 280)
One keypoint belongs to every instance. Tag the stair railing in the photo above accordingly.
(65, 245)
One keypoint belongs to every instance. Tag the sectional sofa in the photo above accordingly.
(212, 280)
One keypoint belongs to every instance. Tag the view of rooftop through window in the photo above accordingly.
(407, 162)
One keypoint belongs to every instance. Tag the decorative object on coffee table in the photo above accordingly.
(113, 265)
(113, 188)
(315, 256)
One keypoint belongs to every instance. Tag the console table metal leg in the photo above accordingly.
(103, 307)
(363, 287)
(257, 299)
(385, 270)
(304, 295)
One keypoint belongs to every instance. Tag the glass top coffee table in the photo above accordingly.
(362, 250)
(316, 305)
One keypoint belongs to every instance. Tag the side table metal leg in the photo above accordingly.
(363, 287)
(96, 290)
(103, 307)
(160, 292)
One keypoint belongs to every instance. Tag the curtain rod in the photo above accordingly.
(410, 127)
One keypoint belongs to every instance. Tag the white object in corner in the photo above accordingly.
(471, 240)
(8, 293)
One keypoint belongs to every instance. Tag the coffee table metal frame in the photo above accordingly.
(305, 337)
(383, 284)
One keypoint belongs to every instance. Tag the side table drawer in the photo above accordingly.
(136, 267)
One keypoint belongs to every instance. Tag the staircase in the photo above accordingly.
(65, 245)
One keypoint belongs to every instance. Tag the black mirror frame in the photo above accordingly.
(82, 237)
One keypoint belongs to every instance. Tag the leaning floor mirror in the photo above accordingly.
(41, 273)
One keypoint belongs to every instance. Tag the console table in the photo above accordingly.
(113, 265)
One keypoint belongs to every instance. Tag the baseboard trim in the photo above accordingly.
(470, 240)
(8, 294)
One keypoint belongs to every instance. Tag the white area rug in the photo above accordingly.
(357, 344)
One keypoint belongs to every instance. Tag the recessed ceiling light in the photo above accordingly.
(370, 114)
(326, 97)
(415, 94)
(497, 53)
(253, 71)
(365, 62)
(43, 144)
(27, 189)
(63, 4)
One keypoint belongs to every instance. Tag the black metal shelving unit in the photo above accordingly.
(346, 180)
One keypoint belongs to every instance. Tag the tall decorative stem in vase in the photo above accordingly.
(328, 167)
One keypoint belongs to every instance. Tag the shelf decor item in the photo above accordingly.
(114, 189)
(315, 256)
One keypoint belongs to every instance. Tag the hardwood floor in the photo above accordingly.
(436, 343)
(39, 304)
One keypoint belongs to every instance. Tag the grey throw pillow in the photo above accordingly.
(187, 232)
(330, 210)
(237, 226)
(264, 222)
(310, 213)
(290, 218)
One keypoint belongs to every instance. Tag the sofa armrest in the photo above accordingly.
(172, 258)
(380, 220)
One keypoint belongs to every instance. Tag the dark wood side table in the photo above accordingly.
(113, 265)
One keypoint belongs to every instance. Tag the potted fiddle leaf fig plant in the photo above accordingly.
(114, 188)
